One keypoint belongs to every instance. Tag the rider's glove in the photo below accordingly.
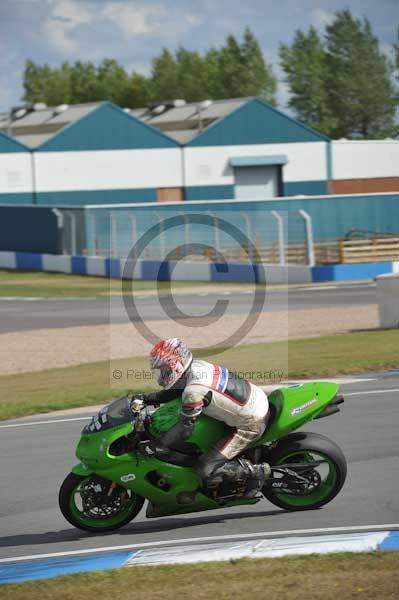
(137, 403)
(151, 399)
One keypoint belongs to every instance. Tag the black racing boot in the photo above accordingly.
(214, 468)
(258, 473)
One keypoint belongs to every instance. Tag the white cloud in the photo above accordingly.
(71, 12)
(58, 37)
(388, 50)
(320, 18)
(64, 17)
(283, 89)
(139, 18)
(133, 18)
(193, 20)
(62, 25)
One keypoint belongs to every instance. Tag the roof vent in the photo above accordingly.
(179, 103)
(204, 104)
(19, 113)
(39, 106)
(60, 109)
(158, 110)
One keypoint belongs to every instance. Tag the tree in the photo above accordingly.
(342, 86)
(305, 64)
(44, 84)
(212, 71)
(112, 81)
(258, 78)
(137, 93)
(83, 83)
(358, 76)
(242, 70)
(35, 82)
(396, 57)
(164, 77)
(230, 71)
(192, 76)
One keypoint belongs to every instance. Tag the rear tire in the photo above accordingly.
(291, 449)
(77, 516)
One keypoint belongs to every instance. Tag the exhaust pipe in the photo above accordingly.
(332, 407)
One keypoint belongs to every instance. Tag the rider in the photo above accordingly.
(219, 393)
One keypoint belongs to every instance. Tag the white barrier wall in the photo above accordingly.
(388, 300)
(210, 165)
(108, 170)
(365, 159)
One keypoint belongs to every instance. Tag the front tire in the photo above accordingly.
(77, 503)
(305, 448)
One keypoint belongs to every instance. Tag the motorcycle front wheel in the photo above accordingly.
(322, 466)
(96, 504)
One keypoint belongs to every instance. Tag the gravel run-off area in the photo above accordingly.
(50, 348)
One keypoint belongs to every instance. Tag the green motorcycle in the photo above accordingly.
(121, 466)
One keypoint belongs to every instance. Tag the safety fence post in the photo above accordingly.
(133, 222)
(215, 231)
(247, 220)
(72, 232)
(113, 236)
(60, 230)
(280, 231)
(162, 241)
(309, 237)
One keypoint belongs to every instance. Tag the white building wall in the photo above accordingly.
(365, 159)
(108, 170)
(210, 165)
(15, 173)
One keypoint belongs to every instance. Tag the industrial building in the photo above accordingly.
(95, 153)
(241, 149)
(245, 149)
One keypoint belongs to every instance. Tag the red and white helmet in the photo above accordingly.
(172, 358)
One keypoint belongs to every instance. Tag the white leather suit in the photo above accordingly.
(233, 400)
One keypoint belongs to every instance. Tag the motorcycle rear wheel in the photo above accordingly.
(328, 478)
(76, 511)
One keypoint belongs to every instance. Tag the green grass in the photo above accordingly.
(39, 284)
(368, 576)
(87, 384)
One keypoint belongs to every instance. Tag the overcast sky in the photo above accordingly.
(133, 31)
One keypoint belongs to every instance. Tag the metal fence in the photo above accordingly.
(276, 237)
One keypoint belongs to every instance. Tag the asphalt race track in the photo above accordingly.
(36, 457)
(59, 312)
